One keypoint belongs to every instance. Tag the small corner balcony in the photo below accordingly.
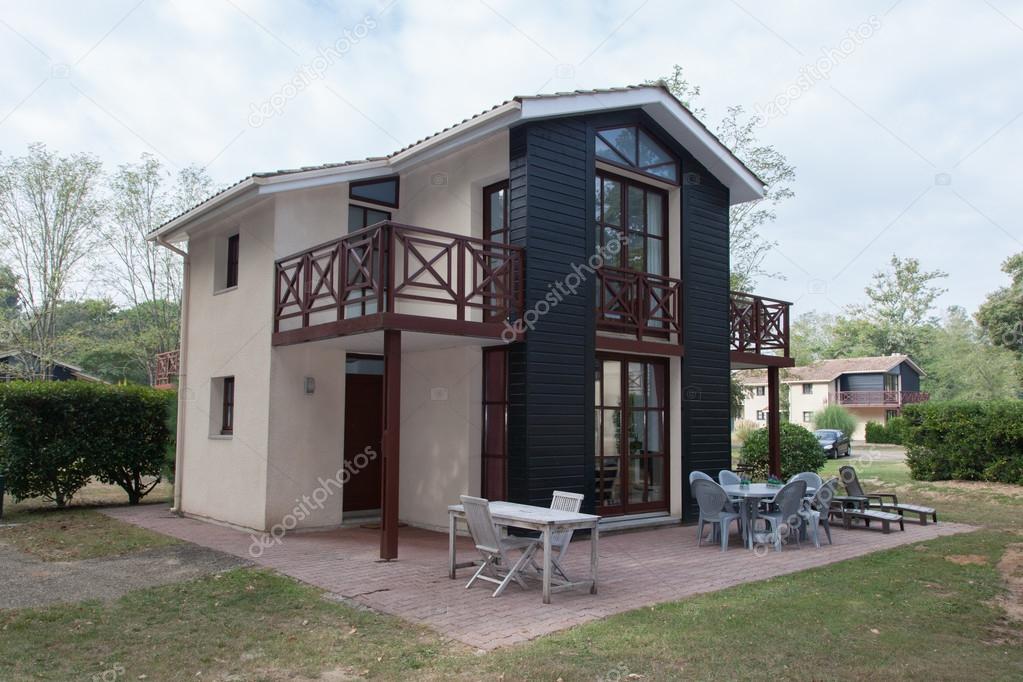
(167, 367)
(893, 399)
(401, 277)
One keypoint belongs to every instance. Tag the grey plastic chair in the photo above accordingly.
(699, 475)
(726, 477)
(497, 567)
(562, 501)
(787, 503)
(812, 480)
(816, 510)
(715, 509)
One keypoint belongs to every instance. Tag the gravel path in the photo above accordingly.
(28, 581)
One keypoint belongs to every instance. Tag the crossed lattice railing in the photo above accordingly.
(390, 267)
(167, 366)
(758, 324)
(886, 398)
(639, 303)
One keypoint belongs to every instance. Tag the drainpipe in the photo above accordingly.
(182, 373)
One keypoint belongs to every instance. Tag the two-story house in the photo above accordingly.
(534, 299)
(871, 389)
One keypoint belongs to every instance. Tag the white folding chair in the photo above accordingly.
(494, 548)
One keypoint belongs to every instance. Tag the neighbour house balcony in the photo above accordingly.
(167, 366)
(881, 398)
(394, 276)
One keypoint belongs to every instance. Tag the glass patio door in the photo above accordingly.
(631, 463)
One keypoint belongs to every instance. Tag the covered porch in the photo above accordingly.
(637, 569)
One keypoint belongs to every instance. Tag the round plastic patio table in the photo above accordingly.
(750, 495)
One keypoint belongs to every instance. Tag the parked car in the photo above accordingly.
(835, 443)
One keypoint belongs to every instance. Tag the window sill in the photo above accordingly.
(221, 436)
(225, 291)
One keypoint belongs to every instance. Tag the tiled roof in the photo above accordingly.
(827, 370)
(519, 98)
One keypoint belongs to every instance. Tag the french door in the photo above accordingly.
(631, 463)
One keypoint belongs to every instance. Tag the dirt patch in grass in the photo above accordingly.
(74, 534)
(1011, 568)
(967, 559)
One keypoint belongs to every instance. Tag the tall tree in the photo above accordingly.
(49, 212)
(899, 314)
(144, 274)
(738, 132)
(961, 365)
(812, 337)
(1001, 315)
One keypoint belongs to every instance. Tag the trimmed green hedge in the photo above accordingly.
(967, 440)
(56, 435)
(800, 452)
(893, 433)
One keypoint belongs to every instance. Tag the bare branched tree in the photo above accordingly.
(146, 276)
(49, 214)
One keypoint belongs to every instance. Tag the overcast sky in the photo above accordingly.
(904, 119)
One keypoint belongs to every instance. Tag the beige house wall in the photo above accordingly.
(813, 402)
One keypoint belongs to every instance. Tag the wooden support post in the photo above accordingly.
(773, 422)
(390, 446)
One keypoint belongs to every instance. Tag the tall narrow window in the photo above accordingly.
(232, 262)
(495, 424)
(495, 229)
(227, 410)
(363, 216)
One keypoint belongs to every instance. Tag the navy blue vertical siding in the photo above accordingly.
(910, 378)
(551, 373)
(863, 382)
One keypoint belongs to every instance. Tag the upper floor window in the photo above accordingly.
(636, 216)
(363, 216)
(381, 191)
(225, 262)
(232, 261)
(495, 212)
(807, 389)
(761, 390)
(632, 147)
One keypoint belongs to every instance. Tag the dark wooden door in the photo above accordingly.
(364, 394)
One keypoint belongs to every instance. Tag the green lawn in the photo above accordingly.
(926, 611)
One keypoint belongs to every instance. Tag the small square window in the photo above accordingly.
(807, 389)
(761, 390)
(761, 415)
(807, 417)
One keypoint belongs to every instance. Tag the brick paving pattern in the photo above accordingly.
(637, 569)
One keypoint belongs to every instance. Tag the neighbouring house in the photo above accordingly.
(534, 299)
(23, 364)
(871, 389)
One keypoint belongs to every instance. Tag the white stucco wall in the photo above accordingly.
(441, 414)
(306, 435)
(224, 478)
(814, 402)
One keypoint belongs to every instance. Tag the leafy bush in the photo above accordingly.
(742, 430)
(835, 417)
(55, 436)
(893, 433)
(800, 452)
(968, 440)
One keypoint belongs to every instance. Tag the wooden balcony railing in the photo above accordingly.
(395, 269)
(759, 324)
(638, 303)
(167, 366)
(882, 398)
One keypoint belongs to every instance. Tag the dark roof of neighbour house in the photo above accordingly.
(76, 371)
(829, 370)
(518, 98)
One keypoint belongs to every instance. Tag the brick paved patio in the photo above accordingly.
(636, 569)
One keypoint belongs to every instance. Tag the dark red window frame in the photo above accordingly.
(232, 262)
(494, 450)
(227, 407)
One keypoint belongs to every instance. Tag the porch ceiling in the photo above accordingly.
(373, 342)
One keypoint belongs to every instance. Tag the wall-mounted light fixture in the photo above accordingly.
(310, 385)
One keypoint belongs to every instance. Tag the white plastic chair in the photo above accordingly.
(495, 549)
(727, 477)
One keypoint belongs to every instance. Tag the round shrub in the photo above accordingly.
(800, 452)
(835, 417)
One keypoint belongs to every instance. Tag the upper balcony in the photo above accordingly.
(648, 307)
(881, 398)
(394, 276)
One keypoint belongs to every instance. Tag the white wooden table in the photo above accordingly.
(547, 521)
(750, 495)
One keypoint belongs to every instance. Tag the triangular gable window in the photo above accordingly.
(632, 147)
